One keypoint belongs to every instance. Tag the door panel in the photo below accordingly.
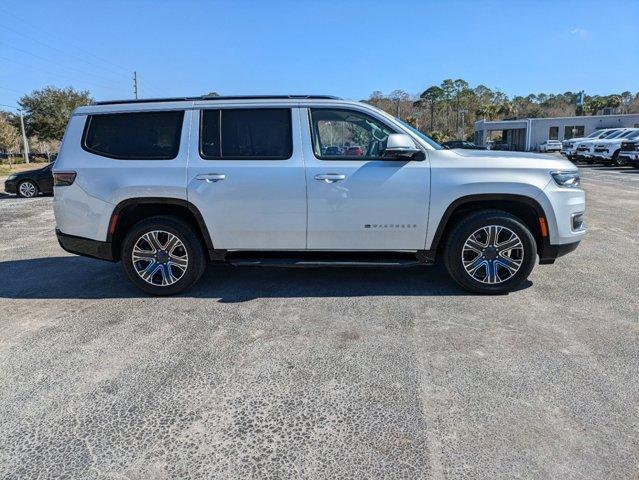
(365, 204)
(257, 204)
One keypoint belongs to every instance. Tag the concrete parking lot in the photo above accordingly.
(330, 373)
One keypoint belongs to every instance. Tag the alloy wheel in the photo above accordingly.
(492, 254)
(28, 189)
(160, 258)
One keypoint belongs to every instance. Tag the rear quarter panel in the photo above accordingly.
(84, 208)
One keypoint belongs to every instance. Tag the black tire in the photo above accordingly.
(196, 263)
(454, 247)
(617, 160)
(34, 189)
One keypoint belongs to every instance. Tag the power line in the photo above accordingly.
(40, 29)
(37, 28)
(10, 89)
(55, 74)
(39, 57)
(51, 46)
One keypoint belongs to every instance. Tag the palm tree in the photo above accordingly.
(432, 96)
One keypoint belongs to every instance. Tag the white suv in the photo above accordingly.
(569, 146)
(165, 186)
(607, 151)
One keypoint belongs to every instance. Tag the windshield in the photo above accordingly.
(627, 134)
(421, 135)
(634, 135)
(612, 134)
(596, 134)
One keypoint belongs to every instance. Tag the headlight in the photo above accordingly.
(13, 176)
(566, 179)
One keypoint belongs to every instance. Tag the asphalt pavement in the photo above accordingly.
(322, 373)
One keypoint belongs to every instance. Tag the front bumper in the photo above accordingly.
(549, 253)
(632, 158)
(602, 155)
(11, 186)
(85, 246)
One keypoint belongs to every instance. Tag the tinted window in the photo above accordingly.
(553, 133)
(210, 134)
(263, 133)
(134, 136)
(342, 134)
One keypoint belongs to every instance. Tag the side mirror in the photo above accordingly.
(400, 146)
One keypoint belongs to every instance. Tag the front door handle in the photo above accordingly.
(330, 177)
(211, 177)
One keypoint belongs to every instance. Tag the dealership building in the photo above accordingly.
(527, 134)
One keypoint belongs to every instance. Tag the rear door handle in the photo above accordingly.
(330, 177)
(211, 177)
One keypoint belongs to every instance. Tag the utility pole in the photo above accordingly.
(25, 144)
(461, 127)
(135, 84)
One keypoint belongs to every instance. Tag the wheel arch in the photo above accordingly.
(132, 210)
(525, 208)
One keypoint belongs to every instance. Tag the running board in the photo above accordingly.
(326, 259)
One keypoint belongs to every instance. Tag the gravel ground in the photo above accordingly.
(329, 373)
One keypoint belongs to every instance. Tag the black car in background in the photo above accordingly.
(462, 144)
(30, 182)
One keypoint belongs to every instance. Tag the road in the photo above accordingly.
(329, 373)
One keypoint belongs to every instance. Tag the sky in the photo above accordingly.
(342, 48)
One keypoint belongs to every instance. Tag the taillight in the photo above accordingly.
(63, 179)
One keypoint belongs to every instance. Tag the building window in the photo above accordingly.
(134, 136)
(573, 131)
(553, 133)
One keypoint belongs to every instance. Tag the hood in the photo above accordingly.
(590, 142)
(505, 158)
(503, 154)
(577, 139)
(610, 141)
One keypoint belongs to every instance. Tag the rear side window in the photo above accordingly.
(134, 136)
(244, 134)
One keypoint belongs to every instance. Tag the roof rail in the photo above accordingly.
(219, 97)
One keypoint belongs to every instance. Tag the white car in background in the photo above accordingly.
(607, 151)
(585, 151)
(569, 146)
(550, 146)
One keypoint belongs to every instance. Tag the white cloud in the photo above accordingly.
(579, 32)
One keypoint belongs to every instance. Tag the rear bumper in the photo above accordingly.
(549, 253)
(11, 186)
(85, 246)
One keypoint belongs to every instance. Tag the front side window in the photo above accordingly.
(244, 134)
(347, 134)
(134, 136)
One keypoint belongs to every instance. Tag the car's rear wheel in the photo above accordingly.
(163, 256)
(27, 189)
(490, 252)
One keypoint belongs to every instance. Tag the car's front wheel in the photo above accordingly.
(27, 189)
(163, 255)
(490, 252)
(618, 160)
